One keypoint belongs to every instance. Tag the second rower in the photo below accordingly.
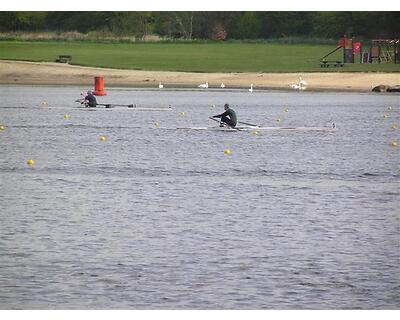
(90, 100)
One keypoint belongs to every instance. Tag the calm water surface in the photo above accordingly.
(157, 218)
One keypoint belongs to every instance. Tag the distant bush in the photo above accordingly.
(288, 40)
(97, 36)
(106, 36)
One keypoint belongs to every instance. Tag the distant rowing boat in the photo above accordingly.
(254, 128)
(124, 106)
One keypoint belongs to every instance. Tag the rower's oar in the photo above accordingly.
(111, 105)
(249, 124)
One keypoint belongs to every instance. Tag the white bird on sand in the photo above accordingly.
(222, 85)
(251, 88)
(203, 85)
(302, 82)
(160, 85)
(302, 85)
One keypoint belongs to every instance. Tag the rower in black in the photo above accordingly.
(90, 100)
(228, 117)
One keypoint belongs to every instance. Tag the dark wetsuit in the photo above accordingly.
(229, 117)
(91, 101)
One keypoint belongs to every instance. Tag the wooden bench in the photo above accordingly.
(64, 58)
(327, 64)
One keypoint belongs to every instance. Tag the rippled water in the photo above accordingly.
(155, 218)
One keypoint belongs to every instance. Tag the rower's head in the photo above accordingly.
(89, 92)
(226, 106)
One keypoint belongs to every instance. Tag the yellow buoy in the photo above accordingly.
(286, 110)
(393, 143)
(227, 151)
(30, 162)
(103, 138)
(393, 126)
(67, 116)
(157, 124)
(385, 116)
(2, 128)
(255, 132)
(278, 120)
(44, 103)
(182, 114)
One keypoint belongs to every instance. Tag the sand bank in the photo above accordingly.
(41, 73)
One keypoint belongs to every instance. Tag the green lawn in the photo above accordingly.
(198, 57)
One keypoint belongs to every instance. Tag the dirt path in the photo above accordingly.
(37, 73)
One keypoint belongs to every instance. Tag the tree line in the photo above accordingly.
(214, 25)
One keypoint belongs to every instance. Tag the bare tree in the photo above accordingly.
(185, 22)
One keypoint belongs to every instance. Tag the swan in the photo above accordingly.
(251, 88)
(222, 85)
(302, 82)
(302, 85)
(160, 85)
(203, 85)
(295, 86)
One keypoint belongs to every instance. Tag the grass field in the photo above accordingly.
(197, 57)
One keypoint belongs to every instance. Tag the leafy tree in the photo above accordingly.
(249, 26)
(8, 21)
(201, 24)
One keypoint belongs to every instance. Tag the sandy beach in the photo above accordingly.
(43, 73)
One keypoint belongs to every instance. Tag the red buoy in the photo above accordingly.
(99, 86)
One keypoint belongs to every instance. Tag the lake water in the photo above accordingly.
(157, 218)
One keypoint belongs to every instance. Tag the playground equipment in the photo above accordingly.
(336, 63)
(379, 51)
(348, 53)
(384, 51)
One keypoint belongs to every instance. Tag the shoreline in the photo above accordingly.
(48, 73)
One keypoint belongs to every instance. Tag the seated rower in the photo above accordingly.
(90, 100)
(228, 117)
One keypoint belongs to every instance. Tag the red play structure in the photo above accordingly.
(378, 51)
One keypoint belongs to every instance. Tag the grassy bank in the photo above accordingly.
(197, 57)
